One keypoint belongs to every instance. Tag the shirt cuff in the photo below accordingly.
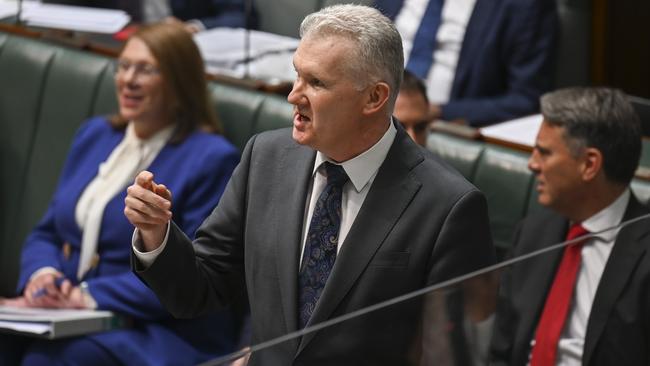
(88, 299)
(147, 258)
(44, 270)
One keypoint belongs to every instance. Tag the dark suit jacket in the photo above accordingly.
(618, 327)
(421, 223)
(212, 13)
(506, 61)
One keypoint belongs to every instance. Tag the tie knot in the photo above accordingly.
(575, 231)
(335, 174)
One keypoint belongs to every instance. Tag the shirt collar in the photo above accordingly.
(153, 143)
(362, 167)
(608, 217)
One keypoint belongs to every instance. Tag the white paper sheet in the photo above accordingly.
(522, 131)
(77, 18)
(269, 57)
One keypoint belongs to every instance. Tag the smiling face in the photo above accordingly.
(558, 171)
(140, 87)
(328, 102)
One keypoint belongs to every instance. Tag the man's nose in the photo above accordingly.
(296, 94)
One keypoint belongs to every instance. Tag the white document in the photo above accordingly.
(55, 323)
(8, 8)
(77, 18)
(269, 56)
(522, 131)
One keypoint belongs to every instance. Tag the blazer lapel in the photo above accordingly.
(378, 213)
(296, 165)
(539, 273)
(620, 266)
(477, 28)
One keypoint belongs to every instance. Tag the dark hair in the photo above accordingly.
(601, 118)
(182, 70)
(411, 83)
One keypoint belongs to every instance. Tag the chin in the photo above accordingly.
(545, 201)
(301, 137)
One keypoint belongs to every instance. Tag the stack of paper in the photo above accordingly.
(55, 323)
(8, 8)
(75, 18)
(522, 131)
(238, 52)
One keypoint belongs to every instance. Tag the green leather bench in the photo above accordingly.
(503, 176)
(46, 92)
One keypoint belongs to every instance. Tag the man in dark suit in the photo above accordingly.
(338, 213)
(587, 303)
(483, 61)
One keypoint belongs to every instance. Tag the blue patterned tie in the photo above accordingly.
(424, 43)
(322, 241)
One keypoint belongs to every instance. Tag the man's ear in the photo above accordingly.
(376, 97)
(592, 164)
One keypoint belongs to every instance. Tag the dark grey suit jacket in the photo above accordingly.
(420, 223)
(618, 329)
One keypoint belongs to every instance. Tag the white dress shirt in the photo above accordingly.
(128, 158)
(595, 253)
(361, 169)
(449, 38)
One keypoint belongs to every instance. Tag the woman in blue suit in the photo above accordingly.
(78, 255)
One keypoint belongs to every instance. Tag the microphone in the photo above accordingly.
(19, 12)
(248, 11)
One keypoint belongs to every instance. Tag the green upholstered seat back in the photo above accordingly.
(462, 154)
(69, 94)
(237, 109)
(275, 112)
(24, 64)
(503, 176)
(106, 101)
(641, 189)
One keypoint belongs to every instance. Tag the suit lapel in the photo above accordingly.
(480, 21)
(539, 273)
(296, 165)
(378, 213)
(620, 266)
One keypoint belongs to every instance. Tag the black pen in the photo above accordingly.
(41, 291)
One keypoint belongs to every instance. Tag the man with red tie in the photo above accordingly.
(586, 303)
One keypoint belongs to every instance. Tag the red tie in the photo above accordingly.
(558, 301)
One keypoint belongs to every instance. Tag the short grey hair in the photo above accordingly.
(602, 118)
(378, 53)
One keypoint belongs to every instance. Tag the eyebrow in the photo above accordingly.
(542, 149)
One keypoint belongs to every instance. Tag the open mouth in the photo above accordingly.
(131, 100)
(300, 117)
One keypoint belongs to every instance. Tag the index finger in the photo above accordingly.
(144, 179)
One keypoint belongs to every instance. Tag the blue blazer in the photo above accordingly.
(214, 13)
(506, 61)
(196, 171)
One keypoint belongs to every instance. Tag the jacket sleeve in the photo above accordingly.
(213, 264)
(42, 246)
(528, 51)
(502, 343)
(210, 172)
